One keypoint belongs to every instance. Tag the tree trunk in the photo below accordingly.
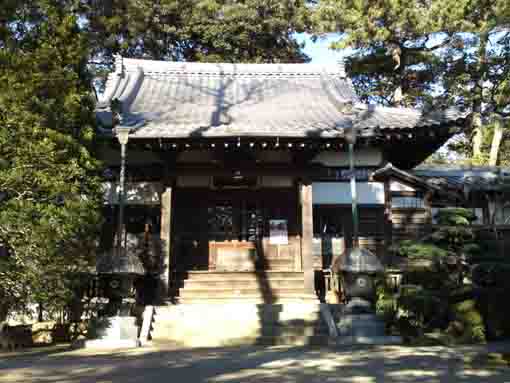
(477, 133)
(398, 57)
(476, 121)
(4, 309)
(496, 141)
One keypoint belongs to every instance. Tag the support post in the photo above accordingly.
(354, 198)
(388, 223)
(305, 194)
(165, 238)
(121, 198)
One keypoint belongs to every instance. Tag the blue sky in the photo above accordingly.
(320, 51)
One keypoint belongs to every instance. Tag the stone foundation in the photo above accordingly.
(215, 325)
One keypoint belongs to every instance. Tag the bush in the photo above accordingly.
(409, 328)
(419, 250)
(495, 313)
(461, 294)
(422, 304)
(427, 278)
(492, 275)
(455, 216)
(468, 326)
(385, 305)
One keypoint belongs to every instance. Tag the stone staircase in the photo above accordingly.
(260, 286)
(239, 323)
(216, 309)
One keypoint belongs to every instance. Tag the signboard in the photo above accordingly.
(278, 233)
(345, 174)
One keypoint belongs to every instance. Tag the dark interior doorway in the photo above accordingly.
(205, 219)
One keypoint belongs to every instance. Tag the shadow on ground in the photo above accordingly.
(252, 364)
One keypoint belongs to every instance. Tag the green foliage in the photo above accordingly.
(418, 250)
(430, 54)
(453, 237)
(49, 189)
(385, 304)
(205, 30)
(430, 278)
(492, 275)
(496, 313)
(421, 304)
(455, 216)
(471, 329)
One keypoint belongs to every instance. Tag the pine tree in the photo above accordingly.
(431, 54)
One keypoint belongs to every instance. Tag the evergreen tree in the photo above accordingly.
(49, 191)
(197, 30)
(429, 53)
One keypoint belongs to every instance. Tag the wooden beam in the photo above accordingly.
(165, 238)
(305, 194)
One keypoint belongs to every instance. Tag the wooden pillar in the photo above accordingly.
(305, 196)
(165, 238)
(388, 223)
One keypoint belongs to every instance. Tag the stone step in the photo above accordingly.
(293, 340)
(359, 318)
(160, 332)
(288, 340)
(276, 263)
(242, 275)
(258, 318)
(190, 284)
(221, 293)
(244, 299)
(239, 322)
(367, 325)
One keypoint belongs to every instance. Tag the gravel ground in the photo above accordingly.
(254, 364)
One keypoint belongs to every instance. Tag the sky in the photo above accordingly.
(319, 51)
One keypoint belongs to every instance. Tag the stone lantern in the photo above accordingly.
(358, 268)
(118, 270)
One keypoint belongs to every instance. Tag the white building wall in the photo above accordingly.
(325, 193)
(363, 157)
(397, 186)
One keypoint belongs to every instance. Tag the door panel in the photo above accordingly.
(234, 223)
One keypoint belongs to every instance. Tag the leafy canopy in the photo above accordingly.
(49, 191)
(428, 53)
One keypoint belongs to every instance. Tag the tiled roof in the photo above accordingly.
(179, 100)
(477, 178)
(450, 178)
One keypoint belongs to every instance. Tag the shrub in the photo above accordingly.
(385, 304)
(419, 250)
(427, 278)
(422, 303)
(492, 274)
(495, 313)
(472, 328)
(455, 216)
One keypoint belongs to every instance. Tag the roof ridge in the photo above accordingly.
(232, 69)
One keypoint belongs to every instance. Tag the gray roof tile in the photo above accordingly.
(179, 100)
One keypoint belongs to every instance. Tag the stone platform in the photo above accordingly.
(239, 323)
(363, 329)
(113, 332)
(250, 323)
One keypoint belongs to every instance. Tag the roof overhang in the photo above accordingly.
(190, 102)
